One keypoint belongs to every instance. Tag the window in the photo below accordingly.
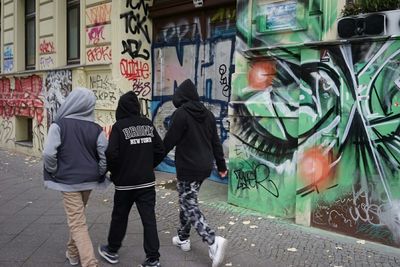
(73, 32)
(30, 34)
(23, 131)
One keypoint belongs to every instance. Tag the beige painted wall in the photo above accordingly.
(106, 66)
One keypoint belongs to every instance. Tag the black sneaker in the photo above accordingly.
(111, 257)
(150, 263)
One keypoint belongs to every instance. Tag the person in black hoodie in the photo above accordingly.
(194, 133)
(135, 148)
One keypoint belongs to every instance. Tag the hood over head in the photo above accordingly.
(128, 106)
(186, 96)
(185, 92)
(79, 104)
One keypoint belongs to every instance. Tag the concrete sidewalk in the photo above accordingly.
(33, 229)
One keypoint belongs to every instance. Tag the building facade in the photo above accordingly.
(307, 102)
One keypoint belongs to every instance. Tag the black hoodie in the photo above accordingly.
(193, 131)
(134, 148)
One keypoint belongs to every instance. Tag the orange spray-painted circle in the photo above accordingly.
(261, 74)
(314, 167)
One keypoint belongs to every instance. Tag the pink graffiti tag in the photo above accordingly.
(134, 69)
(95, 34)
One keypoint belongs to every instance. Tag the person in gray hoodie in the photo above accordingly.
(75, 163)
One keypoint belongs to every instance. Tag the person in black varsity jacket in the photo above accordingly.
(193, 131)
(134, 150)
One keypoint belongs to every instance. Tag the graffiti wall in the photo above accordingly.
(135, 51)
(98, 36)
(20, 100)
(315, 127)
(185, 48)
(356, 145)
(47, 53)
(8, 58)
(56, 87)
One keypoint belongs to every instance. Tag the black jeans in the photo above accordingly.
(145, 199)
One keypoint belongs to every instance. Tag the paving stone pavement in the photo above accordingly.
(33, 229)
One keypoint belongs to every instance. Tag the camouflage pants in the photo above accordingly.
(190, 214)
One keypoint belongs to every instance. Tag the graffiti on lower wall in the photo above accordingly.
(20, 97)
(7, 134)
(180, 52)
(104, 89)
(361, 133)
(106, 119)
(315, 128)
(56, 87)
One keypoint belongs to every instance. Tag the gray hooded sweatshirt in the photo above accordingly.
(74, 152)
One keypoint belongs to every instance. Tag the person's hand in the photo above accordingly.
(223, 174)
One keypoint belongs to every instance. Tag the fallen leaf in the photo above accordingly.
(253, 226)
(246, 222)
(231, 223)
(361, 242)
(292, 249)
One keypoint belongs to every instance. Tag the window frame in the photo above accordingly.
(29, 17)
(72, 4)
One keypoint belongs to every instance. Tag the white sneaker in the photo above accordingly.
(72, 261)
(184, 245)
(217, 250)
